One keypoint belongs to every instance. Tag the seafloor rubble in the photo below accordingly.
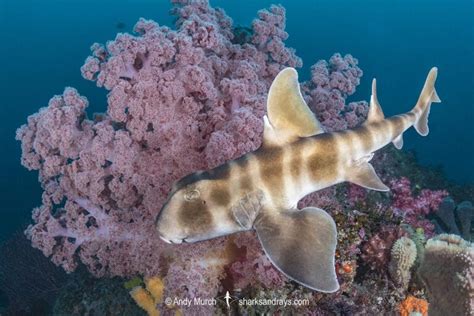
(190, 98)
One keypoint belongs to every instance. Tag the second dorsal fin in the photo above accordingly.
(375, 110)
(288, 115)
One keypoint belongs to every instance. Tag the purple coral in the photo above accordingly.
(414, 209)
(331, 83)
(179, 101)
(253, 266)
(376, 251)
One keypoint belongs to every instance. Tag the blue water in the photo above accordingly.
(44, 43)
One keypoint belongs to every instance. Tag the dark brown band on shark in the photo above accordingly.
(349, 139)
(270, 164)
(244, 178)
(365, 136)
(187, 180)
(195, 215)
(324, 159)
(245, 184)
(221, 196)
(296, 165)
(221, 172)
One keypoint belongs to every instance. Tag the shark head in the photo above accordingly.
(197, 209)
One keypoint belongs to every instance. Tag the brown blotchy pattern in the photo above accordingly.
(245, 178)
(195, 215)
(245, 184)
(271, 170)
(221, 196)
(324, 160)
(296, 164)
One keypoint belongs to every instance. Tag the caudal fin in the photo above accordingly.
(422, 107)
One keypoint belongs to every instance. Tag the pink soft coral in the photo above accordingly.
(179, 101)
(331, 83)
(376, 251)
(253, 266)
(415, 208)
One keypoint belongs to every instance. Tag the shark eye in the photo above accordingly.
(192, 195)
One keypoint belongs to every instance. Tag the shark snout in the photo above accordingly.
(170, 235)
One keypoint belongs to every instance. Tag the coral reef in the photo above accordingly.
(414, 209)
(392, 163)
(448, 272)
(403, 255)
(448, 212)
(376, 252)
(419, 238)
(465, 212)
(190, 98)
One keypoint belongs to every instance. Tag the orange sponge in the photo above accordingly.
(412, 304)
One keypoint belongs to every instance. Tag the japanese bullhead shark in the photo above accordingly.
(261, 189)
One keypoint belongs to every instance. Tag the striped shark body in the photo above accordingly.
(261, 189)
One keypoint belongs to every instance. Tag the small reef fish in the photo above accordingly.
(261, 189)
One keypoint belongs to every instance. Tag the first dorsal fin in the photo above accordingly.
(375, 110)
(289, 117)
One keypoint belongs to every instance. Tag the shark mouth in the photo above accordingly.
(173, 241)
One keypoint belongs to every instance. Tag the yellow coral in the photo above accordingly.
(413, 305)
(156, 288)
(144, 299)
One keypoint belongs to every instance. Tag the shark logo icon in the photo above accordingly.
(227, 297)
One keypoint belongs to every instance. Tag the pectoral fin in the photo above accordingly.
(362, 173)
(288, 115)
(302, 245)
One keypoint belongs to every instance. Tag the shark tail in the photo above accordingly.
(423, 105)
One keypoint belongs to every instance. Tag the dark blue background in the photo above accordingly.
(44, 43)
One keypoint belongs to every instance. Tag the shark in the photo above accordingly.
(261, 189)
